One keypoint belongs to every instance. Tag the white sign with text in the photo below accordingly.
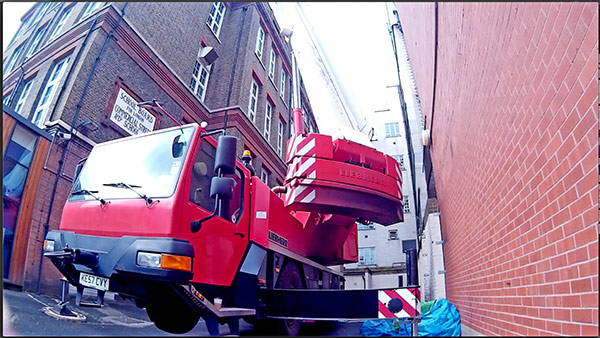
(131, 118)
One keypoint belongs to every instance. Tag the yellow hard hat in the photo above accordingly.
(246, 152)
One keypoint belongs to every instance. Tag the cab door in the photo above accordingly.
(220, 243)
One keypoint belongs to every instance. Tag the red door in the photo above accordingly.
(220, 243)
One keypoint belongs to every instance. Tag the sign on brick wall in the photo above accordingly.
(131, 118)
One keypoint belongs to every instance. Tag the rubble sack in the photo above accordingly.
(442, 320)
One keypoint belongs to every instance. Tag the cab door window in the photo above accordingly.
(202, 174)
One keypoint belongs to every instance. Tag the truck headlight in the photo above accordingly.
(164, 261)
(48, 245)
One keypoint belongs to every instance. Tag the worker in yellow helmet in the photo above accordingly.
(247, 162)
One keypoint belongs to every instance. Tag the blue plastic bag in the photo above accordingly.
(442, 320)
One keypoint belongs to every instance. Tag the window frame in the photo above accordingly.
(268, 120)
(60, 24)
(91, 8)
(53, 81)
(212, 17)
(371, 250)
(196, 82)
(264, 172)
(23, 96)
(272, 64)
(282, 85)
(280, 128)
(260, 37)
(392, 129)
(16, 54)
(37, 39)
(253, 101)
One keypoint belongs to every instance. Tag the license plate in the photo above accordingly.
(91, 281)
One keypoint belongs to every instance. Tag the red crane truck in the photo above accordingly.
(173, 221)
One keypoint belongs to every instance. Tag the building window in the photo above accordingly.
(13, 59)
(264, 175)
(406, 205)
(253, 101)
(280, 138)
(36, 41)
(366, 256)
(199, 80)
(215, 18)
(39, 117)
(393, 234)
(392, 129)
(5, 99)
(90, 8)
(282, 85)
(17, 159)
(272, 65)
(39, 13)
(61, 23)
(260, 40)
(23, 97)
(400, 159)
(268, 114)
(365, 226)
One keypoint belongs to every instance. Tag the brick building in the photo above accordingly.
(510, 96)
(72, 67)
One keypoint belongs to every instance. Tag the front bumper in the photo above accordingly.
(115, 258)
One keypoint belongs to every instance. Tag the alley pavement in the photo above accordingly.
(29, 314)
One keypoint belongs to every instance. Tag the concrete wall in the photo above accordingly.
(515, 147)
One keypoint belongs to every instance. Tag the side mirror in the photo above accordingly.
(225, 156)
(177, 147)
(223, 187)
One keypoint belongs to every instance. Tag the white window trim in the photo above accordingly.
(37, 38)
(264, 176)
(198, 83)
(13, 59)
(280, 138)
(282, 85)
(23, 97)
(91, 8)
(268, 119)
(260, 40)
(252, 105)
(212, 18)
(371, 251)
(392, 129)
(272, 63)
(61, 22)
(39, 116)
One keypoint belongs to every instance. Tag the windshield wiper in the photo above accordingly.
(91, 193)
(130, 187)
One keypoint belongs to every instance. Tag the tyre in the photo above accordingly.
(174, 316)
(289, 278)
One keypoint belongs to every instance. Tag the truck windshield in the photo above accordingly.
(146, 162)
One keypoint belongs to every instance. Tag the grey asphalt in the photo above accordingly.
(29, 314)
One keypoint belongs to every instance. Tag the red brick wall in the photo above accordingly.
(515, 158)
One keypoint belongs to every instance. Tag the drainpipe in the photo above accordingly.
(75, 116)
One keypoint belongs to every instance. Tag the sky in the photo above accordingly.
(11, 19)
(355, 40)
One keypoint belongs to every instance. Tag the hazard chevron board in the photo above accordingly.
(399, 303)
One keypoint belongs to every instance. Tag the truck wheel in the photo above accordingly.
(174, 317)
(289, 279)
